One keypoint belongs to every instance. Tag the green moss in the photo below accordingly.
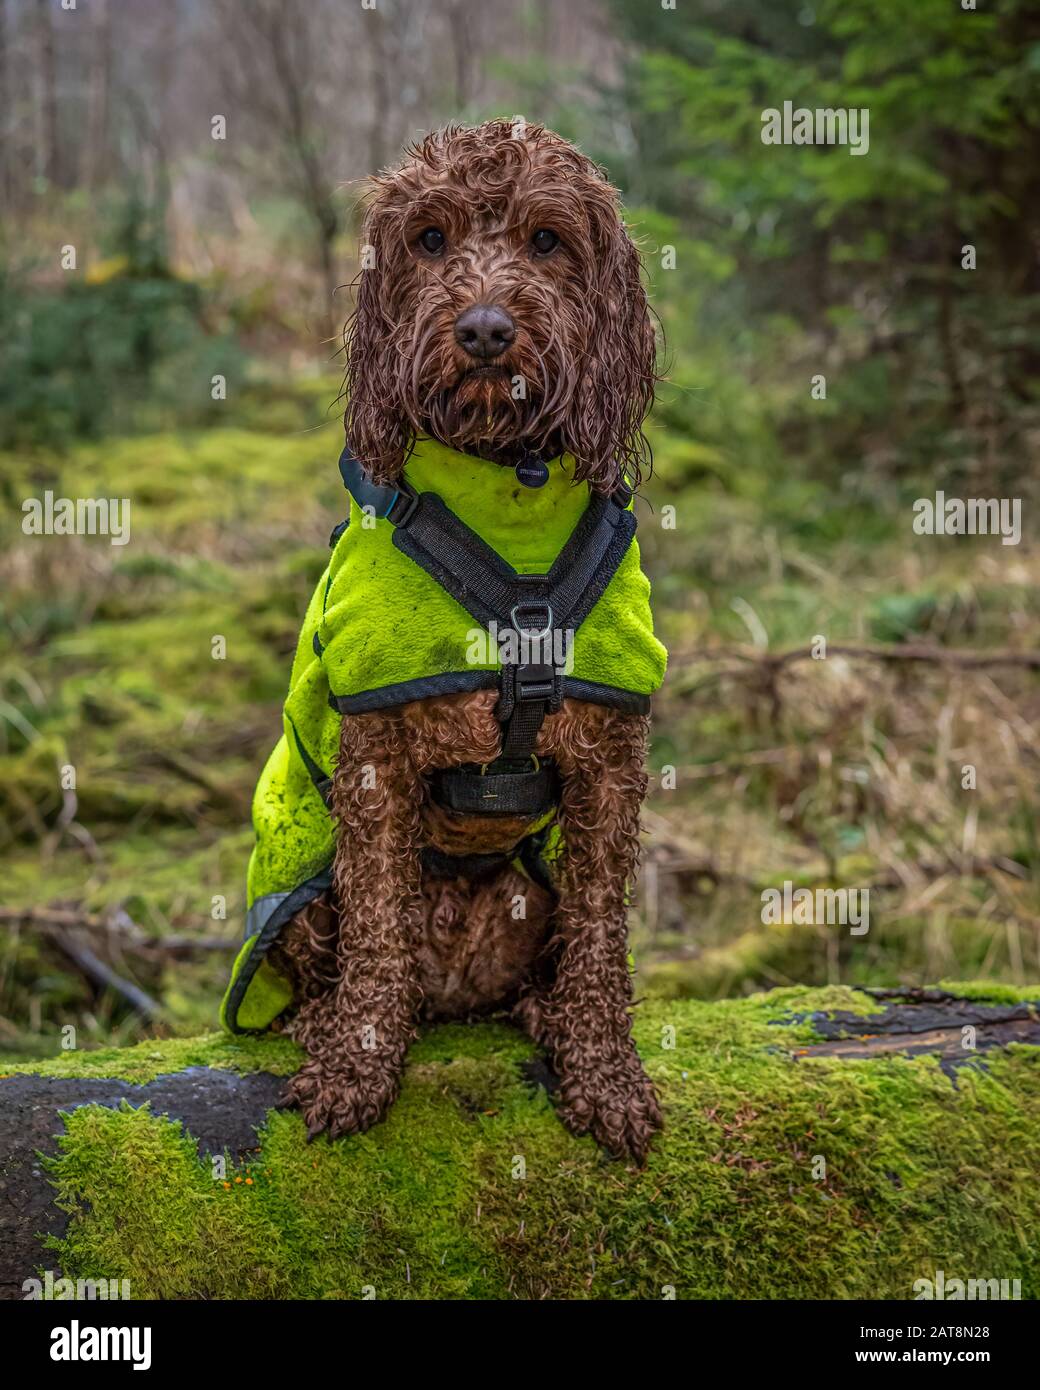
(472, 1189)
(991, 990)
(147, 1060)
(154, 1217)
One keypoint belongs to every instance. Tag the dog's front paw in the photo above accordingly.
(342, 1101)
(617, 1105)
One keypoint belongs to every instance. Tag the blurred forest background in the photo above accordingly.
(197, 257)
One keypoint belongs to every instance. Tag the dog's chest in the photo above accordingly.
(480, 934)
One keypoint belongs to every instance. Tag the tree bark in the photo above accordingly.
(47, 160)
(100, 83)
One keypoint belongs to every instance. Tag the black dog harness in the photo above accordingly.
(540, 608)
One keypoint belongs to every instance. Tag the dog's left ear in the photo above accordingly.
(615, 388)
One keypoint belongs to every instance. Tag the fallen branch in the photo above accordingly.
(763, 757)
(131, 935)
(191, 771)
(184, 945)
(66, 917)
(102, 975)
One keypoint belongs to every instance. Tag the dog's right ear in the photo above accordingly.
(377, 427)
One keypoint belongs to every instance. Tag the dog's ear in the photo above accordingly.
(615, 386)
(377, 428)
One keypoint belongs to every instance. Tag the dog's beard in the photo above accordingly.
(499, 410)
(480, 413)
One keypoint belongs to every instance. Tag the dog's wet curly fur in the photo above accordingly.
(392, 944)
(584, 344)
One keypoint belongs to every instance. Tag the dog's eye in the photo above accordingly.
(544, 241)
(432, 240)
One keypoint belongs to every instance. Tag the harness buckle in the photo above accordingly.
(527, 684)
(622, 496)
(402, 508)
(535, 682)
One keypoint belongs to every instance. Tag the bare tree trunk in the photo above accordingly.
(7, 197)
(461, 18)
(545, 26)
(380, 90)
(48, 161)
(328, 227)
(948, 346)
(100, 79)
(317, 191)
(946, 324)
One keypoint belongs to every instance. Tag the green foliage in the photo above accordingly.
(109, 347)
(96, 357)
(865, 252)
(79, 362)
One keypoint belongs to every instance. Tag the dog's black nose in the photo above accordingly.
(484, 331)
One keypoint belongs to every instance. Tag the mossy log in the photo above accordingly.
(819, 1143)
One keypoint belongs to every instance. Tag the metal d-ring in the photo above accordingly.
(533, 631)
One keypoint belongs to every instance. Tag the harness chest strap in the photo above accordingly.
(539, 607)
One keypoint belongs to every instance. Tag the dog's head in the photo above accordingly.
(499, 309)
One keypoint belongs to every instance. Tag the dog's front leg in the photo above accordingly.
(357, 1034)
(586, 1021)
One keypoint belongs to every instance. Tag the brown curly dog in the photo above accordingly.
(495, 254)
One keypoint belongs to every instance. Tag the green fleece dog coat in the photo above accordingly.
(381, 630)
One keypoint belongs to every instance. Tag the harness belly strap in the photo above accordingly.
(503, 788)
